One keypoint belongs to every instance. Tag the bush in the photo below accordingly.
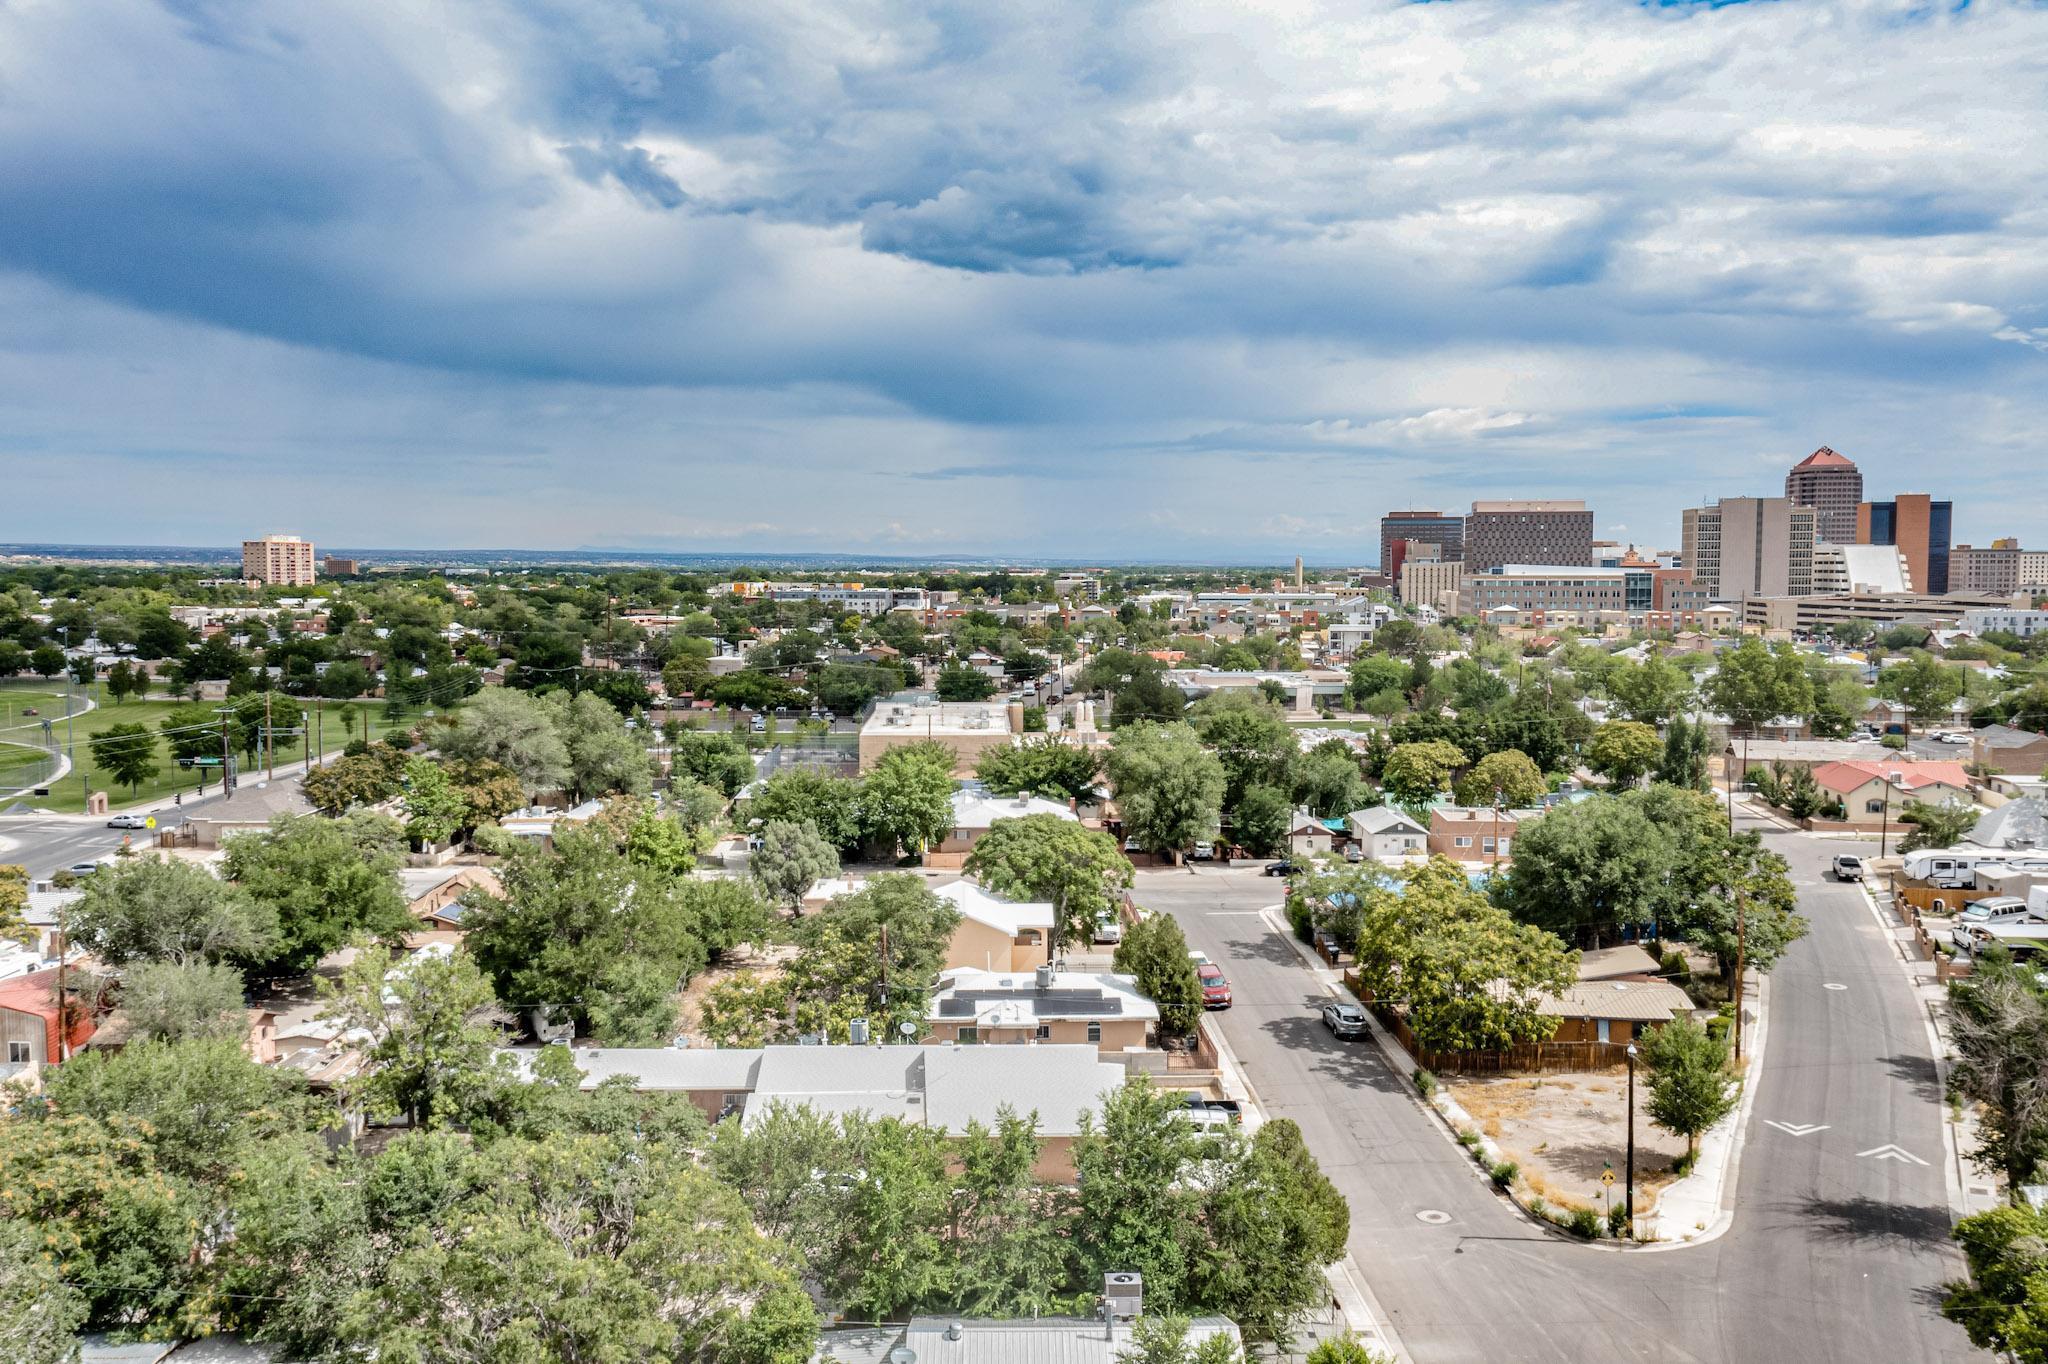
(1468, 1138)
(1893, 741)
(1300, 920)
(1683, 1165)
(1674, 968)
(1584, 1222)
(1617, 1222)
(1503, 1174)
(1538, 1208)
(1425, 1083)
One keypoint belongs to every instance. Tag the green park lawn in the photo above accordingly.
(68, 795)
(17, 698)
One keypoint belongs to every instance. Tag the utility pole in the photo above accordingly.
(1741, 953)
(63, 1022)
(1629, 1189)
(227, 752)
(269, 741)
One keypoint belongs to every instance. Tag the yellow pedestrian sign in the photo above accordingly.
(149, 823)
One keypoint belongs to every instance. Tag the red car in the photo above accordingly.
(1215, 989)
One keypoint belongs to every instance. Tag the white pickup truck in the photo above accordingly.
(2004, 919)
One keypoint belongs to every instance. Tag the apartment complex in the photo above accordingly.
(1433, 582)
(1447, 533)
(1750, 547)
(1832, 485)
(2001, 567)
(1549, 531)
(1919, 526)
(282, 559)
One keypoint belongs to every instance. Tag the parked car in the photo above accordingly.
(127, 822)
(1345, 1020)
(83, 868)
(1848, 868)
(760, 725)
(1281, 868)
(1132, 845)
(1203, 851)
(1354, 853)
(1109, 929)
(1210, 1113)
(1952, 738)
(1215, 986)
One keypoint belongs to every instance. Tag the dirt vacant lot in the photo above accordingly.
(1564, 1129)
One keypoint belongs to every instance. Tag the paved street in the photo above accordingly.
(1833, 1255)
(45, 843)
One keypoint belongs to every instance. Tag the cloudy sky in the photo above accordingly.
(1185, 279)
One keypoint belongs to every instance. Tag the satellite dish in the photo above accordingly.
(907, 1028)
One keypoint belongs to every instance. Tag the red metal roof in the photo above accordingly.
(1825, 458)
(36, 993)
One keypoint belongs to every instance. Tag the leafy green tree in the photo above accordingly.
(126, 753)
(803, 795)
(1470, 975)
(2004, 1302)
(1162, 1338)
(907, 797)
(47, 660)
(1168, 785)
(174, 1001)
(1925, 685)
(1650, 692)
(1044, 857)
(1373, 675)
(325, 881)
(958, 682)
(1737, 885)
(434, 808)
(1507, 776)
(13, 658)
(1999, 1028)
(1344, 1349)
(1270, 1226)
(1010, 1250)
(149, 910)
(1137, 1212)
(431, 1027)
(1049, 767)
(1417, 773)
(1328, 780)
(791, 859)
(718, 760)
(1936, 826)
(1251, 737)
(1755, 684)
(585, 930)
(1262, 819)
(14, 901)
(515, 730)
(662, 1257)
(1154, 952)
(604, 756)
(1687, 749)
(125, 1234)
(1624, 751)
(40, 1314)
(1690, 1085)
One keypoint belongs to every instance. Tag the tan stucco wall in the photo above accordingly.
(1118, 1034)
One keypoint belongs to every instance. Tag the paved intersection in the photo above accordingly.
(1836, 1251)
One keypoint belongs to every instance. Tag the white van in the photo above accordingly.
(1996, 909)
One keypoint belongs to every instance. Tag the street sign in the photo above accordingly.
(1607, 1174)
(204, 762)
(149, 823)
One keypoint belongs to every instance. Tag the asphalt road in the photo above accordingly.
(47, 843)
(1832, 1255)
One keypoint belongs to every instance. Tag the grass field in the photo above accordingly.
(18, 698)
(68, 795)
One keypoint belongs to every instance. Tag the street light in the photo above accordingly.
(1629, 1195)
(1884, 828)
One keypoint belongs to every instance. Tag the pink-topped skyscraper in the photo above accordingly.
(1832, 485)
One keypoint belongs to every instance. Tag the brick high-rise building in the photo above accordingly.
(1919, 526)
(282, 559)
(2001, 567)
(1832, 485)
(1547, 531)
(1433, 527)
(1750, 547)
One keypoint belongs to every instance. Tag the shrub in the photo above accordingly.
(1299, 919)
(1425, 1083)
(1468, 1138)
(1503, 1174)
(1683, 1165)
(1893, 741)
(1584, 1222)
(1617, 1221)
(1538, 1208)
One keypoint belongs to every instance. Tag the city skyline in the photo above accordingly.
(902, 282)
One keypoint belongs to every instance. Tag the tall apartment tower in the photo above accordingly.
(1750, 547)
(1532, 532)
(1832, 485)
(1433, 527)
(283, 559)
(1920, 527)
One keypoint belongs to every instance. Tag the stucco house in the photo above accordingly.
(1387, 833)
(995, 934)
(978, 1006)
(1873, 792)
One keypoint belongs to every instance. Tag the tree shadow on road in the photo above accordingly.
(1870, 1220)
(1356, 1063)
(1271, 947)
(1918, 1071)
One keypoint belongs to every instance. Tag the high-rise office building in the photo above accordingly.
(284, 559)
(1832, 485)
(1750, 547)
(1920, 527)
(1528, 532)
(1433, 527)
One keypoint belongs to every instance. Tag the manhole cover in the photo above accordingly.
(1434, 1217)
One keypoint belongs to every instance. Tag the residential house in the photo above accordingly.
(1310, 836)
(1475, 833)
(249, 810)
(260, 1041)
(1874, 792)
(429, 891)
(980, 1340)
(2021, 823)
(995, 934)
(1046, 1005)
(30, 1032)
(1387, 833)
(1626, 962)
(2006, 749)
(539, 824)
(1613, 1010)
(975, 811)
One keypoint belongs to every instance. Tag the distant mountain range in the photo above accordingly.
(592, 558)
